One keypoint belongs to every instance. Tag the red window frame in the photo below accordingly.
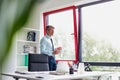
(75, 26)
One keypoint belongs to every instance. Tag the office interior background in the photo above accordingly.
(88, 31)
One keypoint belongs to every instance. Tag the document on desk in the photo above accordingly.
(32, 72)
(57, 73)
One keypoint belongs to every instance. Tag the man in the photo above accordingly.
(47, 47)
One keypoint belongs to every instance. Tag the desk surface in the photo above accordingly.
(48, 76)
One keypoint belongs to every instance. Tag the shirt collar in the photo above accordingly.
(49, 37)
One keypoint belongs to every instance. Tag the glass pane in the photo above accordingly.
(100, 32)
(106, 68)
(64, 33)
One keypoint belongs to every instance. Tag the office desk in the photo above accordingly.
(48, 76)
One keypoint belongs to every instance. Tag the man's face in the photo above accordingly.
(50, 31)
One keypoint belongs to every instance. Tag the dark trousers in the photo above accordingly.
(52, 63)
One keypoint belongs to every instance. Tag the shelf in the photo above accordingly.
(24, 41)
(30, 29)
(26, 47)
(23, 35)
(22, 60)
(22, 53)
(22, 68)
(27, 41)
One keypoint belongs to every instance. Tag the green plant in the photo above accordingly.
(14, 14)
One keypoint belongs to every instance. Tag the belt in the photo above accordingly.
(51, 57)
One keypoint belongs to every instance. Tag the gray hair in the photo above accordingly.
(49, 26)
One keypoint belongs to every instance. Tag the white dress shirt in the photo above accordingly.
(46, 46)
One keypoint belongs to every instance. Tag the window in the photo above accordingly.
(100, 32)
(64, 21)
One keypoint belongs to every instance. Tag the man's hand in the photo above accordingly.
(57, 50)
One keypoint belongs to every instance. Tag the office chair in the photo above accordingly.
(38, 62)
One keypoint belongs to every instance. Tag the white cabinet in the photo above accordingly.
(27, 42)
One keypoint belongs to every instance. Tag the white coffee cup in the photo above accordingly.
(62, 67)
(81, 68)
